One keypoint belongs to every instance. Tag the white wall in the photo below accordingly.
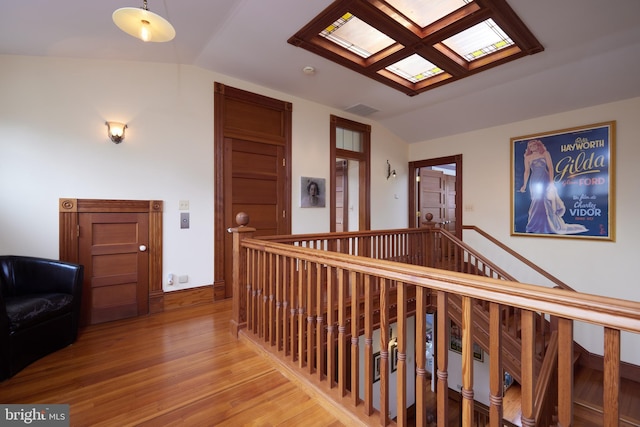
(53, 144)
(595, 267)
(393, 375)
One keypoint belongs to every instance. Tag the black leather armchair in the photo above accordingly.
(39, 309)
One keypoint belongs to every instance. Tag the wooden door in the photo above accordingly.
(253, 171)
(113, 250)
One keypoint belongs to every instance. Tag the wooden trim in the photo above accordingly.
(218, 184)
(69, 236)
(69, 230)
(156, 301)
(188, 297)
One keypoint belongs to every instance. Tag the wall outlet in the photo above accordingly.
(183, 278)
(183, 205)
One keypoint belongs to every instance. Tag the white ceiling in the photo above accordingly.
(592, 56)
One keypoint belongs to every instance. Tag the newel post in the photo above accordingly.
(430, 250)
(239, 301)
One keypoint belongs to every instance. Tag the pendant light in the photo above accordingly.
(144, 24)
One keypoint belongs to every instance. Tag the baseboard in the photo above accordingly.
(219, 290)
(188, 297)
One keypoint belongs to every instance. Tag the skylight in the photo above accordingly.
(356, 36)
(416, 45)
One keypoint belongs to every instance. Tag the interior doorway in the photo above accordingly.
(437, 190)
(119, 243)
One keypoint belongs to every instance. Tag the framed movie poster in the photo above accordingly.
(562, 183)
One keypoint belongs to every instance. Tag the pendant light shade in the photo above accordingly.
(144, 24)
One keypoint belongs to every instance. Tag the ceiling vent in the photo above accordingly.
(361, 110)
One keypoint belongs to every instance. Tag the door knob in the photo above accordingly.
(143, 248)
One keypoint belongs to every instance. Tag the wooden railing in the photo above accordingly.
(557, 282)
(319, 311)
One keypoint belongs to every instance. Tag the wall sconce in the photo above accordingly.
(390, 173)
(115, 131)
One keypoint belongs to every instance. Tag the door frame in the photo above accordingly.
(69, 228)
(364, 176)
(413, 185)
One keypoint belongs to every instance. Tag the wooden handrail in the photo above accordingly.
(599, 310)
(519, 257)
(289, 292)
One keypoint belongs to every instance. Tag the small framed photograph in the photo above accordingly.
(394, 356)
(312, 192)
(376, 366)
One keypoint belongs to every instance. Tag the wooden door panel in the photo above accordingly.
(114, 302)
(104, 297)
(254, 162)
(251, 118)
(432, 199)
(255, 190)
(113, 234)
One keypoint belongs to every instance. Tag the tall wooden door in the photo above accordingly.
(113, 249)
(253, 172)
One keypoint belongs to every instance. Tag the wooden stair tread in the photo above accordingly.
(582, 406)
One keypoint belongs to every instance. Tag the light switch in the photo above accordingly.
(183, 205)
(184, 219)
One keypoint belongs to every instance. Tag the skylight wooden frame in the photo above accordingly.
(411, 38)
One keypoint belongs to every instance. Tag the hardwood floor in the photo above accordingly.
(178, 368)
(183, 368)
